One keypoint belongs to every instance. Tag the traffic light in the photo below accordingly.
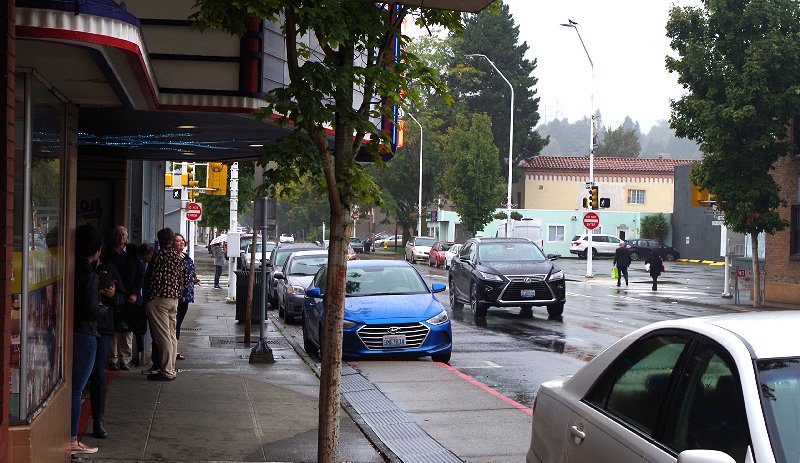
(594, 198)
(217, 183)
(586, 203)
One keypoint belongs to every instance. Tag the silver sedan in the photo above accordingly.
(717, 389)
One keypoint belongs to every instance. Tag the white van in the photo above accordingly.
(526, 228)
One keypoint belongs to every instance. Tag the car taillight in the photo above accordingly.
(576, 243)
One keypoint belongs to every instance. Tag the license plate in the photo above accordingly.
(394, 340)
(528, 293)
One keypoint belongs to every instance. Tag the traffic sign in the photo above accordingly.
(176, 193)
(591, 220)
(194, 211)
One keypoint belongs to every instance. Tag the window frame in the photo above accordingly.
(794, 233)
(563, 233)
(634, 194)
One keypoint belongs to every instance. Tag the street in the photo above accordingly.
(514, 354)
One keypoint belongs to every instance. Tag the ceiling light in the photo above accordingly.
(187, 126)
(257, 145)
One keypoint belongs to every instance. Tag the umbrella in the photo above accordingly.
(220, 239)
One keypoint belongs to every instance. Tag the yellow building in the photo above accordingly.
(631, 184)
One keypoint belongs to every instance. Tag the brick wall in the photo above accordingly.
(7, 85)
(782, 282)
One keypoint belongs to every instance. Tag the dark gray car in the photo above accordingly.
(293, 278)
(277, 259)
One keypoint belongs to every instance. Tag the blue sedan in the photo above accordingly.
(389, 310)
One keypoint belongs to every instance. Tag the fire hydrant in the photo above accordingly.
(385, 245)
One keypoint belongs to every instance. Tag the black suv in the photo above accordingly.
(506, 272)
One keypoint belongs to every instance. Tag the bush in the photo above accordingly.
(655, 227)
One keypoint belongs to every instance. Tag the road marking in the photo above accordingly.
(578, 294)
(489, 364)
(628, 298)
(486, 388)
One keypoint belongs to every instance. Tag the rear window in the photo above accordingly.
(576, 238)
(424, 241)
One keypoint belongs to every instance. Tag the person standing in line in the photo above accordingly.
(124, 258)
(145, 253)
(112, 296)
(163, 288)
(656, 267)
(622, 260)
(219, 261)
(86, 310)
(188, 291)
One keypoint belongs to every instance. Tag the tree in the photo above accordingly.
(661, 140)
(472, 177)
(494, 34)
(655, 227)
(619, 142)
(352, 51)
(739, 61)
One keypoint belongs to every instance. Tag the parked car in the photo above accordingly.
(714, 389)
(356, 244)
(506, 272)
(293, 278)
(389, 310)
(602, 245)
(418, 248)
(351, 253)
(277, 259)
(286, 238)
(450, 254)
(391, 240)
(436, 257)
(244, 256)
(641, 249)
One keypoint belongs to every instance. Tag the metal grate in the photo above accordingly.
(513, 291)
(372, 335)
(237, 342)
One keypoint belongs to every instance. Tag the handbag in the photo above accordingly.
(614, 272)
(121, 319)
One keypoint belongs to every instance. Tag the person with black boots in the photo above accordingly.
(622, 260)
(656, 268)
(112, 295)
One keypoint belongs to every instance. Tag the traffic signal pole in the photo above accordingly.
(233, 226)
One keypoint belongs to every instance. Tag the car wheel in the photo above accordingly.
(308, 346)
(555, 311)
(634, 255)
(669, 257)
(287, 317)
(478, 309)
(430, 263)
(443, 358)
(454, 304)
(582, 255)
(594, 253)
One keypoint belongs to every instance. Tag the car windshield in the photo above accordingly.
(445, 246)
(576, 238)
(424, 241)
(281, 256)
(509, 252)
(372, 281)
(307, 265)
(270, 247)
(779, 383)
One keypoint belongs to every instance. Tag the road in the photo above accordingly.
(514, 354)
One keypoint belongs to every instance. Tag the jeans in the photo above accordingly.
(97, 386)
(623, 272)
(217, 274)
(84, 349)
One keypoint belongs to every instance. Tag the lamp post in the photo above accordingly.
(419, 200)
(574, 25)
(510, 137)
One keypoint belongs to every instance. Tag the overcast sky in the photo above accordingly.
(627, 43)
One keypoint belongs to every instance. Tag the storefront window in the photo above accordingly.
(38, 286)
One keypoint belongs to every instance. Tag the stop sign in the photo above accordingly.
(591, 220)
(194, 211)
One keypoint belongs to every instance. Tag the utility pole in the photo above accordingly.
(233, 227)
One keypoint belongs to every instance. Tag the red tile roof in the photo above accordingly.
(606, 164)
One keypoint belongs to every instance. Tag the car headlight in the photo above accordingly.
(347, 324)
(490, 276)
(559, 275)
(438, 319)
(295, 289)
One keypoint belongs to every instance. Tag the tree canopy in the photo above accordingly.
(739, 61)
(619, 142)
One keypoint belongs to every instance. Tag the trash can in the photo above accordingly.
(242, 281)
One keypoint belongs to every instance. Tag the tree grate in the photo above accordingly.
(237, 342)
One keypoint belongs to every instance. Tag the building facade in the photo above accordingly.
(782, 279)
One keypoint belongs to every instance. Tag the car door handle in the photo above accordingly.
(577, 435)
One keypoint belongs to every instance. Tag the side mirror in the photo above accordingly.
(438, 287)
(704, 456)
(278, 275)
(463, 258)
(314, 292)
(553, 256)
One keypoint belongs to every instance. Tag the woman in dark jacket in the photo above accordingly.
(112, 295)
(188, 290)
(656, 267)
(86, 310)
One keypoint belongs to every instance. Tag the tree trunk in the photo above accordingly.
(331, 354)
(757, 302)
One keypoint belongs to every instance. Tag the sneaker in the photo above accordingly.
(78, 448)
(150, 371)
(217, 287)
(124, 366)
(113, 367)
(160, 377)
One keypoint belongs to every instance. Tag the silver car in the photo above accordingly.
(293, 278)
(717, 389)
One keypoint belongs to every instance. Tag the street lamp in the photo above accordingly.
(510, 137)
(574, 25)
(419, 200)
